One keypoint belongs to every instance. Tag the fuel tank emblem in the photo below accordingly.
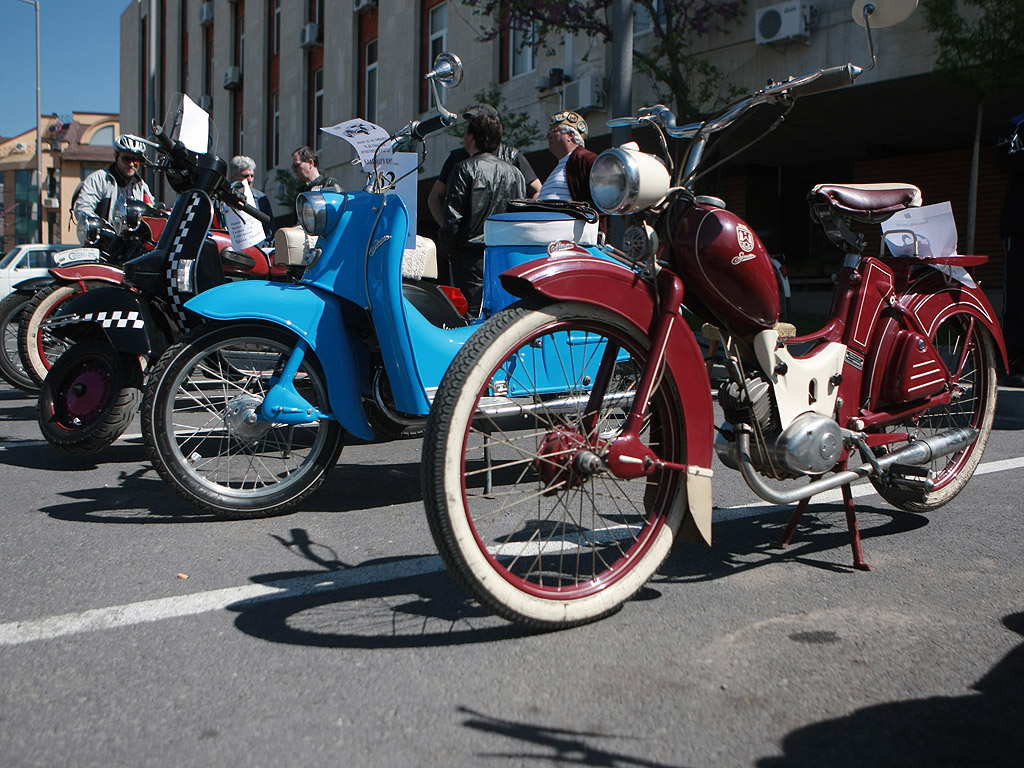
(745, 238)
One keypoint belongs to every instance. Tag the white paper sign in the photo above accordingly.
(928, 231)
(398, 170)
(365, 137)
(245, 230)
(194, 131)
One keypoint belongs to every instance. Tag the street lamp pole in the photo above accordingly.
(39, 129)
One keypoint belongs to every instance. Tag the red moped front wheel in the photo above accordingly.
(969, 353)
(520, 503)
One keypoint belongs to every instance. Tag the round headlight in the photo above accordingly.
(625, 181)
(311, 209)
(89, 229)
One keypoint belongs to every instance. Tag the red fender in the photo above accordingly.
(619, 289)
(89, 271)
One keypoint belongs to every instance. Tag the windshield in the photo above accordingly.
(11, 256)
(187, 122)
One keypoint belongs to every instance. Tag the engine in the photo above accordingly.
(811, 445)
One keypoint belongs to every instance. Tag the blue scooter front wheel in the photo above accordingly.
(203, 425)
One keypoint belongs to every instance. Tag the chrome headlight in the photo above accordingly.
(89, 227)
(625, 180)
(311, 208)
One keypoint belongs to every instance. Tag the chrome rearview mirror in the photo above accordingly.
(447, 70)
(882, 13)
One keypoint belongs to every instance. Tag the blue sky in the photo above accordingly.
(80, 59)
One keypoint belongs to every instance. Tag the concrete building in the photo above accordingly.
(272, 71)
(71, 151)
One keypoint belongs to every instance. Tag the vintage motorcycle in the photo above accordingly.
(92, 390)
(554, 510)
(245, 416)
(106, 247)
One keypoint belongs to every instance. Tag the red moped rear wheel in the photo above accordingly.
(969, 353)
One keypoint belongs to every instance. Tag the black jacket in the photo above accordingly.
(478, 187)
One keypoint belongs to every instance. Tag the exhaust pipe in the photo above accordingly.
(918, 452)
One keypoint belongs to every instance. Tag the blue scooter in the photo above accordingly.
(245, 415)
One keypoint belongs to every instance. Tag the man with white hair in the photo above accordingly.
(243, 168)
(570, 180)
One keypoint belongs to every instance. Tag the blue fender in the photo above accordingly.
(311, 313)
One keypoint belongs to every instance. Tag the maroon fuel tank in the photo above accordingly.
(724, 266)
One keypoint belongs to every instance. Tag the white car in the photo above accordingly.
(25, 261)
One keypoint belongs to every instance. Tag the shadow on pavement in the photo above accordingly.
(979, 729)
(557, 746)
(745, 544)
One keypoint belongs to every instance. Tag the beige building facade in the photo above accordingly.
(71, 152)
(271, 72)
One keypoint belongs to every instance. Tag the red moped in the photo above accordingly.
(553, 508)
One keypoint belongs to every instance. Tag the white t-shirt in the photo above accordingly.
(556, 185)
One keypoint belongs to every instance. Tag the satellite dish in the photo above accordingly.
(883, 13)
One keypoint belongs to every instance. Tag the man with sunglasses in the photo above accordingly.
(102, 192)
(570, 180)
(306, 168)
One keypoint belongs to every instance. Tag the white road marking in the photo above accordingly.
(148, 611)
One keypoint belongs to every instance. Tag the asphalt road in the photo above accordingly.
(135, 632)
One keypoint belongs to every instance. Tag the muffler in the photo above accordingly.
(920, 451)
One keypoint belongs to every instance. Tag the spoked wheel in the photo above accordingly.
(11, 310)
(970, 355)
(37, 348)
(89, 398)
(202, 426)
(520, 503)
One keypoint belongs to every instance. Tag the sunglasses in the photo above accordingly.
(132, 159)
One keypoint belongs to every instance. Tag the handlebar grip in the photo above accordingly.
(256, 213)
(827, 80)
(163, 138)
(423, 129)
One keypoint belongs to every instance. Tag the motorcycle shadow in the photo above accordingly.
(821, 541)
(401, 602)
(139, 497)
(38, 454)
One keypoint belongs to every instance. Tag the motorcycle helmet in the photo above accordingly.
(126, 142)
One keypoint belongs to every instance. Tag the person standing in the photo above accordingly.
(1010, 160)
(570, 180)
(102, 192)
(479, 186)
(436, 196)
(306, 167)
(243, 168)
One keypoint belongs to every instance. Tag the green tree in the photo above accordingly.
(680, 77)
(517, 128)
(980, 47)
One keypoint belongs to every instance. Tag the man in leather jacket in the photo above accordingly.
(306, 167)
(479, 186)
(101, 191)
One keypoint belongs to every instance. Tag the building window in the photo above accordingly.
(275, 28)
(435, 29)
(183, 74)
(104, 137)
(523, 51)
(370, 82)
(318, 109)
(275, 129)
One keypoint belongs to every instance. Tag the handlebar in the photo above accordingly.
(421, 129)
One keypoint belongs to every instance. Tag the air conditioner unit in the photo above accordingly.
(51, 202)
(584, 93)
(362, 5)
(20, 148)
(782, 23)
(233, 78)
(206, 103)
(206, 14)
(310, 35)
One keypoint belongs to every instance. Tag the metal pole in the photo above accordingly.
(39, 130)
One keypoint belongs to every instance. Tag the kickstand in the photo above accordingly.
(851, 524)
